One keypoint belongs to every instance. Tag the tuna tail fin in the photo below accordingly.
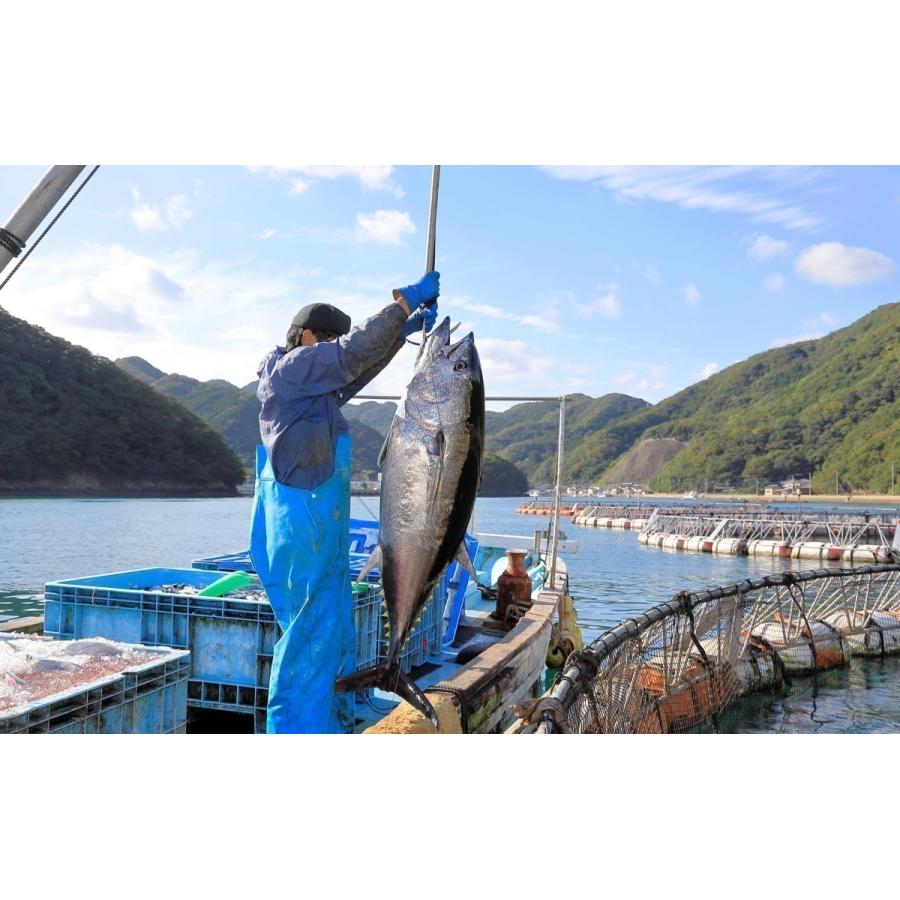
(390, 679)
(411, 693)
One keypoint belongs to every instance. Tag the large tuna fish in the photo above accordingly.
(431, 467)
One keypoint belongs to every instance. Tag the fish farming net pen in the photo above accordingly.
(677, 666)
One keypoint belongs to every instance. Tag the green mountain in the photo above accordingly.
(501, 478)
(233, 412)
(365, 447)
(526, 434)
(140, 369)
(828, 407)
(74, 422)
(224, 407)
(372, 413)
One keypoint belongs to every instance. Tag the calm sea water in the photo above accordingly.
(612, 577)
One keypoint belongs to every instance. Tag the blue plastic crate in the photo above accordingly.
(231, 640)
(241, 562)
(363, 538)
(150, 698)
(228, 562)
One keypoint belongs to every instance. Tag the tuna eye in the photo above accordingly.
(460, 366)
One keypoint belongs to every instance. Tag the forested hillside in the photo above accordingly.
(526, 433)
(74, 422)
(826, 407)
(234, 413)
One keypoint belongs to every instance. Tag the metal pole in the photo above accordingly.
(560, 454)
(487, 399)
(34, 209)
(432, 218)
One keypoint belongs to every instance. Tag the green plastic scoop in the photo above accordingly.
(233, 581)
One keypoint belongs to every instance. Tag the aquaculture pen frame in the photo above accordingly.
(678, 666)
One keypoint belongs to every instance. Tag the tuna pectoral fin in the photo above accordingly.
(374, 676)
(373, 561)
(435, 472)
(410, 692)
(463, 558)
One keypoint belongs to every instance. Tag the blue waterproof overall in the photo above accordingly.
(299, 543)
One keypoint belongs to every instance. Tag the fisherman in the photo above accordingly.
(299, 539)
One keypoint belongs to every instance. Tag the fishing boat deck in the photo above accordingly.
(477, 680)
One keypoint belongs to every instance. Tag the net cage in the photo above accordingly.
(677, 666)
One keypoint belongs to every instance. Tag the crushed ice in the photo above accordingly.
(34, 666)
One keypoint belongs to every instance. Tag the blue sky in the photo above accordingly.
(594, 279)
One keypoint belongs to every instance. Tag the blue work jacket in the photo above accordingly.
(301, 392)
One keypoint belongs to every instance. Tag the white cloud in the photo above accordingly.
(491, 311)
(530, 367)
(761, 246)
(654, 380)
(509, 366)
(382, 284)
(623, 378)
(709, 369)
(773, 282)
(648, 270)
(821, 322)
(804, 336)
(692, 296)
(483, 309)
(147, 216)
(264, 234)
(384, 226)
(815, 328)
(117, 302)
(607, 304)
(841, 266)
(300, 178)
(710, 188)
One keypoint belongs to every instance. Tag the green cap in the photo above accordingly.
(322, 317)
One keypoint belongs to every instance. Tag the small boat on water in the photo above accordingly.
(473, 665)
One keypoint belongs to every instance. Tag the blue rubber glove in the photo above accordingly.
(424, 315)
(425, 290)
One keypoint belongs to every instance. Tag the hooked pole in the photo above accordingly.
(432, 218)
(34, 209)
(560, 450)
